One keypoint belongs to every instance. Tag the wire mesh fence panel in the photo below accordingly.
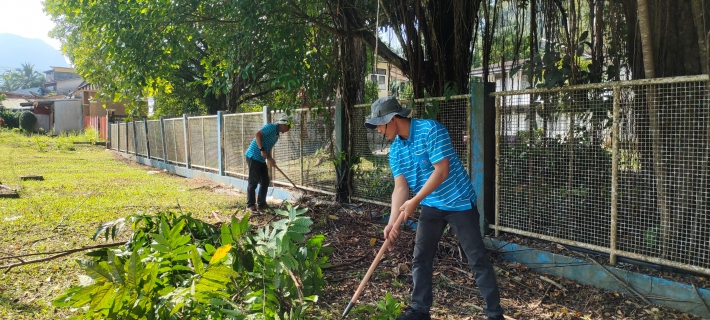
(175, 140)
(317, 133)
(155, 139)
(555, 164)
(619, 167)
(211, 146)
(287, 153)
(304, 153)
(196, 127)
(372, 177)
(170, 144)
(114, 136)
(131, 146)
(141, 139)
(123, 137)
(663, 172)
(179, 126)
(239, 130)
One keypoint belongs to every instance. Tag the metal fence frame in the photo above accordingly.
(614, 224)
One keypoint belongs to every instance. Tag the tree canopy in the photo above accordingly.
(197, 49)
(24, 77)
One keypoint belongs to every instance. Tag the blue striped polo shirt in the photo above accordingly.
(428, 144)
(268, 140)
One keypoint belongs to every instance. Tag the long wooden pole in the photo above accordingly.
(373, 266)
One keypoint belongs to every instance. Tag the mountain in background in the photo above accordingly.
(16, 50)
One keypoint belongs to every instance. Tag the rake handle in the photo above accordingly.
(373, 266)
(287, 178)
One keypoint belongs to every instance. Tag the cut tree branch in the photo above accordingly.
(58, 255)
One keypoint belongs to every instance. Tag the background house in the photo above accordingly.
(387, 77)
(61, 80)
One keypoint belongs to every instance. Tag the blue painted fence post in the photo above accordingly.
(220, 156)
(187, 140)
(483, 150)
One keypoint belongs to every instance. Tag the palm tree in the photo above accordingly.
(30, 77)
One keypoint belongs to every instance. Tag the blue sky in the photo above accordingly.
(25, 18)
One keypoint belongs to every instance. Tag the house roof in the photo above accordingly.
(13, 103)
(61, 69)
(84, 86)
(28, 91)
(17, 95)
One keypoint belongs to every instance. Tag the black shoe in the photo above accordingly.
(413, 314)
(498, 317)
(264, 207)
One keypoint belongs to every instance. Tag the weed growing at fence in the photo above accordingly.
(83, 188)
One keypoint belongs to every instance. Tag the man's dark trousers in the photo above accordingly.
(258, 174)
(432, 223)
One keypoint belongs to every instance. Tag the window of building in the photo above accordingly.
(380, 79)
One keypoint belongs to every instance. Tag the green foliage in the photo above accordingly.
(27, 121)
(178, 267)
(385, 309)
(11, 118)
(555, 68)
(24, 77)
(371, 91)
(196, 50)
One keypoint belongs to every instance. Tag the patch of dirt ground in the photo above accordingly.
(355, 231)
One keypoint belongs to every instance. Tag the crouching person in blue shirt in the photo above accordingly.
(422, 158)
(257, 155)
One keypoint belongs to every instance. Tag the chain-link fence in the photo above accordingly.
(619, 167)
(372, 176)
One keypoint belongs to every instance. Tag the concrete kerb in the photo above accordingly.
(236, 183)
(662, 292)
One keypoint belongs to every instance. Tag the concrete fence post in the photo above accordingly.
(162, 139)
(135, 137)
(186, 137)
(220, 135)
(147, 139)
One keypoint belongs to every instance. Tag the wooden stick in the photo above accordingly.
(373, 266)
(289, 179)
(64, 253)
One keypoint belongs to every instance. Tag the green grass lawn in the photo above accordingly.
(83, 186)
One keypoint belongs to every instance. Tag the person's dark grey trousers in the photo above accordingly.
(432, 222)
(258, 174)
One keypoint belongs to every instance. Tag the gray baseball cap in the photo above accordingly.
(383, 110)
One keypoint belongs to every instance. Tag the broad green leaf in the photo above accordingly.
(226, 235)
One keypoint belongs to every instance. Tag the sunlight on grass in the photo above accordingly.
(84, 185)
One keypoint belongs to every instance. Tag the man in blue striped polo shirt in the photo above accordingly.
(258, 153)
(422, 159)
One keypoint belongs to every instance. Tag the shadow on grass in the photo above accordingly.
(21, 306)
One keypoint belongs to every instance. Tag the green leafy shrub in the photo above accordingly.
(386, 309)
(11, 118)
(28, 121)
(178, 267)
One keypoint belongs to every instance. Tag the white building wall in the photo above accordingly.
(68, 116)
